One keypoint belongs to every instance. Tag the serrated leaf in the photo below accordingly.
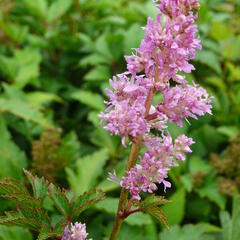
(175, 209)
(220, 31)
(228, 131)
(11, 186)
(17, 219)
(99, 73)
(23, 68)
(88, 170)
(59, 199)
(235, 218)
(90, 99)
(115, 45)
(210, 59)
(42, 98)
(92, 60)
(158, 213)
(70, 147)
(39, 185)
(13, 190)
(231, 49)
(107, 185)
(12, 159)
(22, 109)
(133, 37)
(196, 164)
(37, 7)
(43, 234)
(57, 9)
(226, 223)
(86, 200)
(210, 190)
(152, 200)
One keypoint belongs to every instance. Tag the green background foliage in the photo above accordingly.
(56, 57)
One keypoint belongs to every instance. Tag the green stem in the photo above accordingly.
(131, 163)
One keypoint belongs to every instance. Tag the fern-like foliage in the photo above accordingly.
(30, 212)
(151, 205)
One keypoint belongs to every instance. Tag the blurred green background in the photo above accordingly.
(56, 57)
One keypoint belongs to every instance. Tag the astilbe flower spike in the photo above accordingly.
(157, 66)
(75, 232)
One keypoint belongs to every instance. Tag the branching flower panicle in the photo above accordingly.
(158, 65)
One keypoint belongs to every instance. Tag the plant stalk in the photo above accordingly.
(130, 164)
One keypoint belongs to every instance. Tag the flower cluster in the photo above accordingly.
(155, 164)
(125, 115)
(76, 232)
(158, 65)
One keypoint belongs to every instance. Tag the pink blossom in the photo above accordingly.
(163, 56)
(181, 102)
(155, 164)
(76, 232)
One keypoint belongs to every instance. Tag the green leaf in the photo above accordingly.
(90, 99)
(188, 232)
(109, 205)
(57, 9)
(86, 200)
(70, 147)
(107, 185)
(99, 73)
(197, 164)
(152, 200)
(23, 110)
(89, 168)
(39, 185)
(37, 8)
(231, 49)
(226, 223)
(42, 98)
(15, 32)
(12, 159)
(138, 219)
(100, 137)
(115, 45)
(220, 31)
(133, 37)
(210, 190)
(175, 209)
(43, 233)
(228, 131)
(210, 228)
(92, 60)
(11, 189)
(187, 182)
(59, 199)
(18, 219)
(236, 217)
(157, 212)
(23, 67)
(210, 59)
(13, 233)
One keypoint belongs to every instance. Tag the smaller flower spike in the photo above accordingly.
(181, 102)
(76, 232)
